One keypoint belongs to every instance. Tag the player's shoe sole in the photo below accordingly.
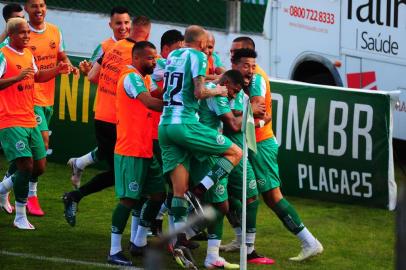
(70, 208)
(119, 259)
(220, 263)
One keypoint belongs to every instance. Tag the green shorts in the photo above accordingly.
(180, 141)
(235, 181)
(137, 177)
(265, 165)
(43, 116)
(22, 142)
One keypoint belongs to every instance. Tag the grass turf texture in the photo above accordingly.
(353, 237)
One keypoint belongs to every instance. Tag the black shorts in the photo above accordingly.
(106, 140)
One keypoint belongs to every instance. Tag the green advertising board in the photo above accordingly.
(335, 144)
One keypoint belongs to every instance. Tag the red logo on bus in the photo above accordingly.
(364, 80)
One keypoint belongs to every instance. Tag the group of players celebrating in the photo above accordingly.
(168, 126)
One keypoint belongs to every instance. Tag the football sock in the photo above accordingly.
(86, 160)
(135, 220)
(6, 185)
(115, 243)
(213, 246)
(162, 212)
(32, 187)
(20, 210)
(141, 237)
(252, 210)
(11, 169)
(234, 215)
(20, 180)
(306, 237)
(250, 240)
(221, 169)
(149, 212)
(119, 218)
(179, 211)
(288, 215)
(215, 228)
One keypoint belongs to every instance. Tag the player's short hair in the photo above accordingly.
(9, 9)
(140, 46)
(246, 40)
(119, 10)
(27, 1)
(141, 21)
(193, 33)
(234, 76)
(171, 37)
(13, 23)
(241, 53)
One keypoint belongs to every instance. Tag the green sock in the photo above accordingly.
(288, 215)
(215, 228)
(20, 180)
(12, 169)
(252, 210)
(234, 214)
(119, 219)
(149, 212)
(179, 209)
(221, 169)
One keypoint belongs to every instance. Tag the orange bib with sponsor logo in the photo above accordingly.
(113, 62)
(17, 100)
(134, 121)
(45, 48)
(265, 132)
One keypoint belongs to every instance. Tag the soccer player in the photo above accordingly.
(181, 134)
(20, 137)
(120, 23)
(105, 114)
(137, 171)
(47, 46)
(170, 41)
(214, 65)
(264, 162)
(10, 11)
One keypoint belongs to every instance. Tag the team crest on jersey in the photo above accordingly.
(52, 44)
(20, 145)
(220, 190)
(220, 139)
(38, 118)
(261, 182)
(133, 186)
(252, 184)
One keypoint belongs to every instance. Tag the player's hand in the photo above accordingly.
(75, 70)
(25, 74)
(64, 68)
(221, 91)
(85, 66)
(258, 108)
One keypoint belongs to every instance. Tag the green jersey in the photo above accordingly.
(5, 42)
(180, 103)
(257, 86)
(159, 70)
(236, 104)
(210, 109)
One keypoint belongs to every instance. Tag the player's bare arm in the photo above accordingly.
(26, 73)
(62, 57)
(48, 74)
(258, 106)
(93, 75)
(150, 102)
(201, 92)
(231, 122)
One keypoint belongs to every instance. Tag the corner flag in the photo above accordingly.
(248, 127)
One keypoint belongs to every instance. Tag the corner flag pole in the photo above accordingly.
(243, 249)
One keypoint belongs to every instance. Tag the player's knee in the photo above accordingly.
(25, 164)
(272, 197)
(223, 207)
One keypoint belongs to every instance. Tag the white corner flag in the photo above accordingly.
(249, 141)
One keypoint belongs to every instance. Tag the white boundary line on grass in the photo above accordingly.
(64, 260)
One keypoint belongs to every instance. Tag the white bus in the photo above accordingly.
(350, 43)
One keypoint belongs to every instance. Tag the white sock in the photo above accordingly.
(32, 189)
(84, 161)
(135, 221)
(250, 242)
(20, 210)
(6, 185)
(213, 246)
(115, 243)
(162, 212)
(207, 182)
(238, 234)
(141, 238)
(306, 237)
